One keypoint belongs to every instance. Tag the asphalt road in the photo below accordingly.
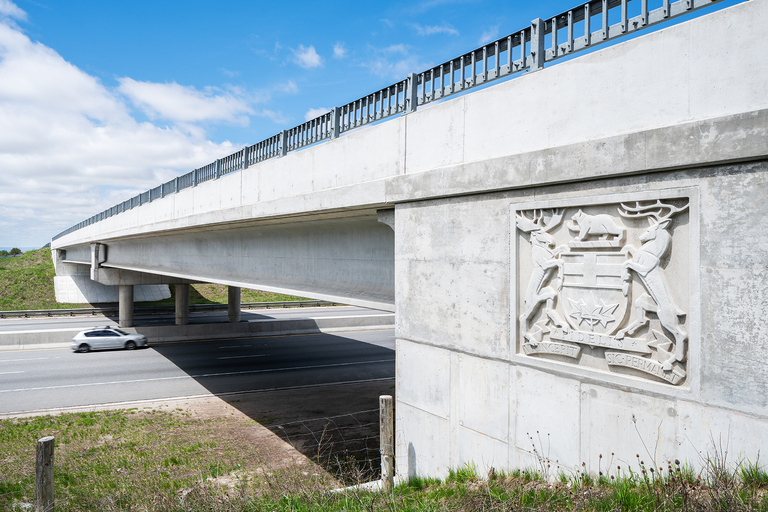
(35, 380)
(83, 322)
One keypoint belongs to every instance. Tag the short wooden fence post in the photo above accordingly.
(387, 442)
(44, 475)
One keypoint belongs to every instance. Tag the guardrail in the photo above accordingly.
(585, 26)
(160, 310)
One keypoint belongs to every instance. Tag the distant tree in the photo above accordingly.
(15, 251)
(3, 252)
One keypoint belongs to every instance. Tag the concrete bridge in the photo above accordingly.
(576, 257)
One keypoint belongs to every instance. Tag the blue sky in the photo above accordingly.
(100, 100)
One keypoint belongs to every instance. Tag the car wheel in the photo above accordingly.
(84, 347)
(130, 345)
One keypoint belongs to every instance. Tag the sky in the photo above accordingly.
(101, 100)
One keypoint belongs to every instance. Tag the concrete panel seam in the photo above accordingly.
(401, 401)
(483, 434)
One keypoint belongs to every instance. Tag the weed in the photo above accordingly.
(465, 473)
(752, 475)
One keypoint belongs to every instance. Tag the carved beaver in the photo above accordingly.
(602, 224)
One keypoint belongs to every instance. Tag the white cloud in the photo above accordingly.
(315, 112)
(489, 35)
(11, 10)
(185, 104)
(339, 50)
(69, 146)
(275, 117)
(394, 62)
(307, 57)
(288, 87)
(445, 28)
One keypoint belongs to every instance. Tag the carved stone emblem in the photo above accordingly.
(593, 289)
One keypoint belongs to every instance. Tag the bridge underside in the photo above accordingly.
(349, 260)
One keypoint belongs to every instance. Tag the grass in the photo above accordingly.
(26, 283)
(172, 461)
(129, 459)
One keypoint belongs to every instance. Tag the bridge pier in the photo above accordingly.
(233, 303)
(126, 305)
(182, 304)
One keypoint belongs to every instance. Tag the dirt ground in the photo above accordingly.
(333, 429)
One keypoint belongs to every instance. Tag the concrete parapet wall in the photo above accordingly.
(663, 79)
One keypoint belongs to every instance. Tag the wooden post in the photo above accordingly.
(44, 475)
(387, 442)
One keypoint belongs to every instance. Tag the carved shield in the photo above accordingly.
(594, 295)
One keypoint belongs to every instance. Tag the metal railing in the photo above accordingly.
(162, 310)
(583, 27)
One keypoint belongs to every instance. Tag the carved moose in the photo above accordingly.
(545, 262)
(646, 263)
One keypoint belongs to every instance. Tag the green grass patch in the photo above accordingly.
(132, 460)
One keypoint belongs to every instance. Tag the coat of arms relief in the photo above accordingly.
(594, 287)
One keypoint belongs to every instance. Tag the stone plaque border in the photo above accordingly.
(560, 350)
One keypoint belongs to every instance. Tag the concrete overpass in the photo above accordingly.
(579, 251)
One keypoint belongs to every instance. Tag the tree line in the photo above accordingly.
(13, 252)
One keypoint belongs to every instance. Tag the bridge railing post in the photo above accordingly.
(283, 143)
(335, 121)
(218, 168)
(245, 157)
(537, 44)
(411, 88)
(194, 178)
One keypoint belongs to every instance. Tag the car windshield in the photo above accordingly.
(118, 331)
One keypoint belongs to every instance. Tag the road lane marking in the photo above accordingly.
(242, 357)
(273, 336)
(66, 345)
(26, 359)
(9, 373)
(200, 376)
(91, 407)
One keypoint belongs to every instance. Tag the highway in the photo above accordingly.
(83, 322)
(53, 378)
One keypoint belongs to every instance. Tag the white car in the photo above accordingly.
(104, 338)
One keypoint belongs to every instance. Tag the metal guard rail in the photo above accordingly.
(159, 310)
(583, 27)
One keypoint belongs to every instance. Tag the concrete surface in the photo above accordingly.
(679, 113)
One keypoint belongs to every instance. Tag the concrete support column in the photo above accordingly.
(233, 303)
(182, 304)
(126, 305)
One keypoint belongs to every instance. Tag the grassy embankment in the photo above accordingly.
(26, 283)
(171, 461)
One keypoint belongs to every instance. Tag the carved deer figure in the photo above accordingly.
(545, 262)
(646, 263)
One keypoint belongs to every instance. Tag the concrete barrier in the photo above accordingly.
(41, 338)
